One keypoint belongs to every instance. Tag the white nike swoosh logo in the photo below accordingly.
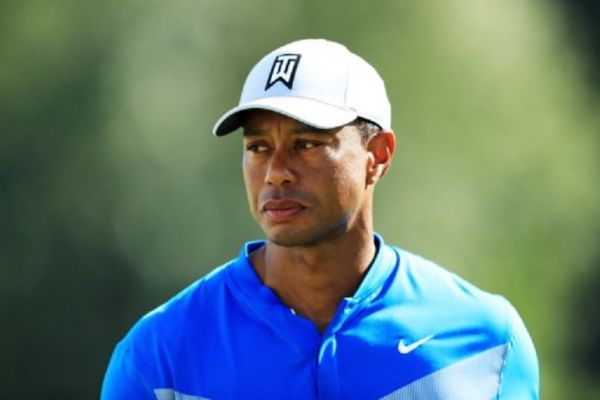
(404, 348)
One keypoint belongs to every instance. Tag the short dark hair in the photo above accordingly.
(366, 128)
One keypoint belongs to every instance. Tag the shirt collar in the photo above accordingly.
(248, 283)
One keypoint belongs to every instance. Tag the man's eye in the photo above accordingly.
(303, 144)
(256, 147)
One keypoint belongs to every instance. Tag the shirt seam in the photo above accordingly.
(509, 340)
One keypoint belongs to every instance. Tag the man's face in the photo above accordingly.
(304, 185)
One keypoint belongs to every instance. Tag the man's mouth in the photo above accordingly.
(282, 209)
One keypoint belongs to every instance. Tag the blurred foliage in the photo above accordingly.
(114, 194)
(583, 22)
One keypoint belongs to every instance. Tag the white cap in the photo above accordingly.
(315, 81)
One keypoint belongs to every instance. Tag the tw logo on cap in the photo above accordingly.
(283, 70)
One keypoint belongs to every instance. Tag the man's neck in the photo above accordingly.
(313, 280)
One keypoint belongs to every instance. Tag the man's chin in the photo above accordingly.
(297, 238)
(288, 240)
(288, 237)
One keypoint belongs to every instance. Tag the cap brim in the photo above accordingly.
(308, 111)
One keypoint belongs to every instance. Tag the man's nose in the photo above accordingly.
(280, 170)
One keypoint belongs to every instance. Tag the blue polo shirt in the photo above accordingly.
(411, 331)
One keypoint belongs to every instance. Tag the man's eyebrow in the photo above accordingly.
(311, 129)
(298, 130)
(249, 131)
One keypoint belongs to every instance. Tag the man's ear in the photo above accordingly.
(381, 147)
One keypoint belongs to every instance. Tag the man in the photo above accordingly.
(323, 308)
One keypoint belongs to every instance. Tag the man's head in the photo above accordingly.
(317, 138)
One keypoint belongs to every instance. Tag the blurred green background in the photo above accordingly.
(114, 195)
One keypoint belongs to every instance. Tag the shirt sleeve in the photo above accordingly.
(520, 374)
(123, 379)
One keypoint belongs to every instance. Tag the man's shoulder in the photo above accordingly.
(191, 309)
(476, 318)
(169, 335)
(448, 296)
(193, 295)
(436, 279)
